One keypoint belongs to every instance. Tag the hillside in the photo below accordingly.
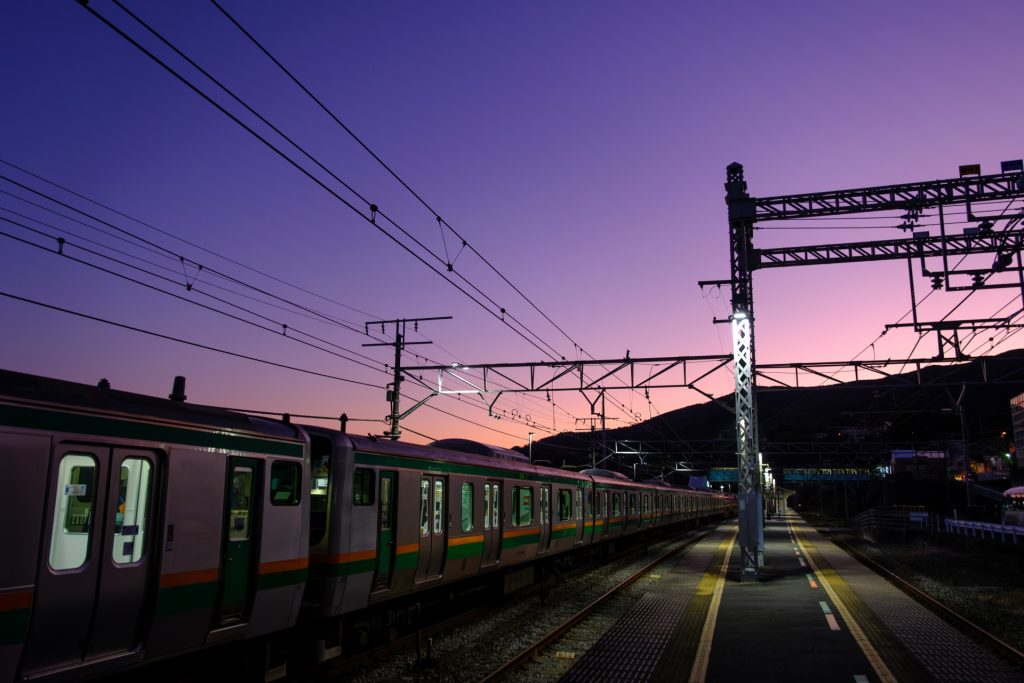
(849, 424)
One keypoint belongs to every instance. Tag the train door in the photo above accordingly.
(433, 528)
(603, 511)
(590, 507)
(385, 532)
(545, 518)
(579, 515)
(93, 586)
(241, 525)
(492, 522)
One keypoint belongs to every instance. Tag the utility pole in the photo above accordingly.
(394, 393)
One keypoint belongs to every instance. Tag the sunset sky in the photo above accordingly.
(579, 147)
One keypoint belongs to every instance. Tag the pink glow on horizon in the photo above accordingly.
(581, 147)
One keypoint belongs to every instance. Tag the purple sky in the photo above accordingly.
(579, 146)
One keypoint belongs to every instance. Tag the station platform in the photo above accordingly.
(814, 614)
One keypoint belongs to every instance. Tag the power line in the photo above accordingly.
(393, 173)
(187, 342)
(160, 252)
(368, 219)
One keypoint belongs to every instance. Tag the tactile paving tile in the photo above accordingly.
(946, 654)
(630, 650)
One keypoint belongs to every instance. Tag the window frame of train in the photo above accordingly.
(521, 503)
(285, 483)
(564, 505)
(363, 480)
(617, 504)
(632, 504)
(466, 523)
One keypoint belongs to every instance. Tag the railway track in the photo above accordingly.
(560, 631)
(980, 635)
(476, 648)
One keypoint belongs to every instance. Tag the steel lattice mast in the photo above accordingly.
(744, 211)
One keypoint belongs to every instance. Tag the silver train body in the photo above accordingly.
(140, 528)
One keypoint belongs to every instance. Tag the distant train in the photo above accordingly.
(140, 528)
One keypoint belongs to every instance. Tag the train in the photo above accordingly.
(142, 528)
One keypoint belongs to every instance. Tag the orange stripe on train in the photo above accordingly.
(520, 532)
(342, 558)
(16, 600)
(284, 565)
(189, 578)
(466, 540)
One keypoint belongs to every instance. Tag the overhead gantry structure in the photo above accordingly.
(745, 211)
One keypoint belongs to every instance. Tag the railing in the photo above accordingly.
(984, 530)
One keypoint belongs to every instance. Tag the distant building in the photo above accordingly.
(919, 464)
(1017, 412)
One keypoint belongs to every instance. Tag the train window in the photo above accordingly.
(467, 506)
(385, 502)
(522, 505)
(362, 486)
(241, 502)
(130, 516)
(545, 504)
(579, 504)
(72, 517)
(632, 503)
(424, 507)
(590, 503)
(438, 505)
(487, 506)
(616, 504)
(646, 504)
(285, 478)
(495, 506)
(564, 505)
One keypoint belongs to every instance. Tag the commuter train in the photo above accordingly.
(140, 528)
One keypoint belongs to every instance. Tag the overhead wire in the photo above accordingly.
(156, 249)
(402, 182)
(368, 219)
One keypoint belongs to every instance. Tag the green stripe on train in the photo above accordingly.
(279, 579)
(525, 539)
(14, 626)
(458, 552)
(430, 466)
(335, 569)
(54, 420)
(407, 560)
(186, 598)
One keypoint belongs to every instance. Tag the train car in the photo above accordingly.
(390, 520)
(147, 528)
(141, 527)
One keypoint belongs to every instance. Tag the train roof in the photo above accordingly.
(48, 392)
